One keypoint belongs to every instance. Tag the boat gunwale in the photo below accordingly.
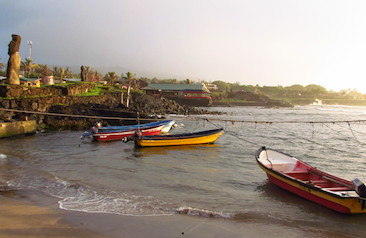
(127, 131)
(106, 129)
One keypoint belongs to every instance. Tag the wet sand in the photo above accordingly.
(33, 214)
(20, 218)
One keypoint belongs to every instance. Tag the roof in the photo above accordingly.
(28, 79)
(176, 87)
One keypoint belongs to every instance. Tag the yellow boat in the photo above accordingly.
(202, 137)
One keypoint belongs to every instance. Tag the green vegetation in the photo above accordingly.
(233, 100)
(225, 92)
(94, 92)
(295, 94)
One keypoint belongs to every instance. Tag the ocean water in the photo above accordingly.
(221, 180)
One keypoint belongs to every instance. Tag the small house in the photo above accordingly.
(186, 94)
(33, 82)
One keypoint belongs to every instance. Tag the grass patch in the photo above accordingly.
(93, 92)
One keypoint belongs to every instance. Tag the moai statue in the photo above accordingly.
(12, 72)
(84, 74)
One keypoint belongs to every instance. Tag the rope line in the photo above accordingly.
(336, 131)
(210, 120)
(240, 138)
(278, 122)
(187, 117)
(353, 134)
(359, 132)
(292, 134)
(312, 141)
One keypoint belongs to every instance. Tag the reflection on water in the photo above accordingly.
(167, 150)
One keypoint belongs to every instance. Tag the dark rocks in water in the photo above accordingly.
(160, 105)
(243, 98)
(144, 107)
(92, 113)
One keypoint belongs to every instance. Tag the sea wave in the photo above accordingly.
(80, 197)
(203, 213)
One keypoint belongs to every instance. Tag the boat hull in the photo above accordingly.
(175, 141)
(337, 201)
(113, 136)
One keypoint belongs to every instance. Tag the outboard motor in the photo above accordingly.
(92, 130)
(360, 187)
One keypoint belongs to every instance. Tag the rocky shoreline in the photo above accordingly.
(65, 107)
(79, 113)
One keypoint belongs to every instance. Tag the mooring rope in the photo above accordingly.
(210, 120)
(358, 132)
(231, 133)
(353, 134)
(314, 142)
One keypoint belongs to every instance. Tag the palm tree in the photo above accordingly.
(111, 77)
(132, 81)
(44, 70)
(27, 66)
(187, 81)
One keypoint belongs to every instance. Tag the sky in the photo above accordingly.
(250, 42)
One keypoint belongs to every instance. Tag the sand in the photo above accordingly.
(34, 214)
(19, 218)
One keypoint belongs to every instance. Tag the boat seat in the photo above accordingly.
(297, 172)
(335, 189)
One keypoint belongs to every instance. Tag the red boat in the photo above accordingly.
(121, 135)
(308, 182)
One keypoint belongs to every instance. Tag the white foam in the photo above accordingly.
(203, 213)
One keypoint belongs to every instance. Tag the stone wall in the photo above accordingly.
(42, 104)
(17, 91)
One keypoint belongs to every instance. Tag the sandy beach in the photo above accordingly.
(34, 214)
(20, 217)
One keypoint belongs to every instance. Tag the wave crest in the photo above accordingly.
(203, 213)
